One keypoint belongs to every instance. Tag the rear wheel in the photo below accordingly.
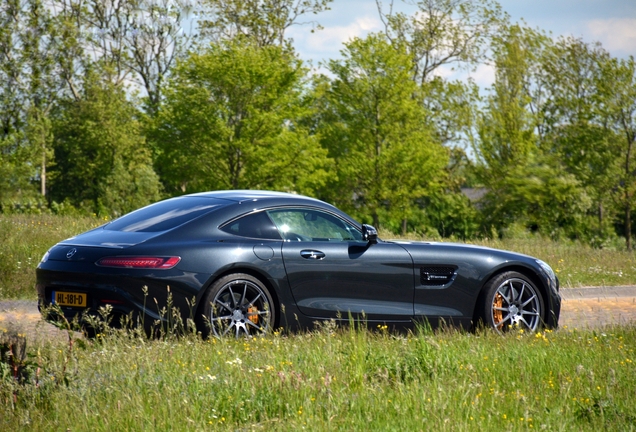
(238, 305)
(512, 301)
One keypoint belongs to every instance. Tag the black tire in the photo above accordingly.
(511, 301)
(239, 305)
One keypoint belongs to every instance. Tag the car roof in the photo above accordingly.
(248, 195)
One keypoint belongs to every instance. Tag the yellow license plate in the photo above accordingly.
(64, 298)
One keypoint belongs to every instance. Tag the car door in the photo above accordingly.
(332, 272)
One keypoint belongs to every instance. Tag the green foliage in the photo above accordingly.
(374, 127)
(103, 164)
(530, 181)
(28, 90)
(553, 141)
(576, 130)
(232, 120)
(506, 128)
(15, 172)
(618, 88)
(552, 204)
(132, 41)
(452, 215)
(443, 32)
(450, 107)
(263, 22)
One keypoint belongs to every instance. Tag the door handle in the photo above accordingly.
(312, 254)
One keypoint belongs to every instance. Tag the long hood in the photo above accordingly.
(445, 251)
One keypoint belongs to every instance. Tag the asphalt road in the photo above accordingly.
(593, 307)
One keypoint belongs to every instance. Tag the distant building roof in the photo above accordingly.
(474, 194)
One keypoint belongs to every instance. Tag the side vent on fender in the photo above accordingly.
(438, 275)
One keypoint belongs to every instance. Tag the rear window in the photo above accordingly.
(165, 215)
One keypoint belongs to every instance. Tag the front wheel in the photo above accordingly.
(511, 301)
(238, 305)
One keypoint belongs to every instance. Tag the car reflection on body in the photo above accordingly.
(245, 262)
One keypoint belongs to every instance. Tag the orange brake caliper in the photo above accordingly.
(252, 312)
(497, 315)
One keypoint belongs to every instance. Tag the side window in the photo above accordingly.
(312, 225)
(255, 225)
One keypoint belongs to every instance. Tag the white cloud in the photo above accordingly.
(327, 43)
(325, 40)
(483, 75)
(618, 35)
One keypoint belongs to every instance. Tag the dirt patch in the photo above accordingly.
(598, 312)
(23, 317)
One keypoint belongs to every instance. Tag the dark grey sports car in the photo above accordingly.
(244, 262)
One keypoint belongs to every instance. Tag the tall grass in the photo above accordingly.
(25, 238)
(332, 379)
(576, 264)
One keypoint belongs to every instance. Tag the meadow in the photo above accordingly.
(329, 379)
(332, 378)
(25, 239)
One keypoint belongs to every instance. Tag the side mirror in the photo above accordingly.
(369, 234)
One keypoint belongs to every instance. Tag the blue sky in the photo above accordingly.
(611, 22)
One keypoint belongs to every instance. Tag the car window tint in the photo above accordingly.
(312, 225)
(164, 215)
(255, 225)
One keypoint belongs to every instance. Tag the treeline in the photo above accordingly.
(106, 106)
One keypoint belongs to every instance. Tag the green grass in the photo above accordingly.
(25, 238)
(576, 264)
(331, 379)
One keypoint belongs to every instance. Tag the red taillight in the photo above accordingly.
(111, 301)
(139, 262)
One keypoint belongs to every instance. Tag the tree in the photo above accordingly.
(526, 183)
(28, 90)
(47, 47)
(450, 107)
(618, 86)
(134, 41)
(506, 128)
(442, 35)
(264, 22)
(232, 120)
(104, 166)
(575, 126)
(443, 32)
(374, 126)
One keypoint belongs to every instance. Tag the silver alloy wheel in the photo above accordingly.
(516, 304)
(240, 307)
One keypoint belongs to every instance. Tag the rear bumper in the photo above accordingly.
(145, 298)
